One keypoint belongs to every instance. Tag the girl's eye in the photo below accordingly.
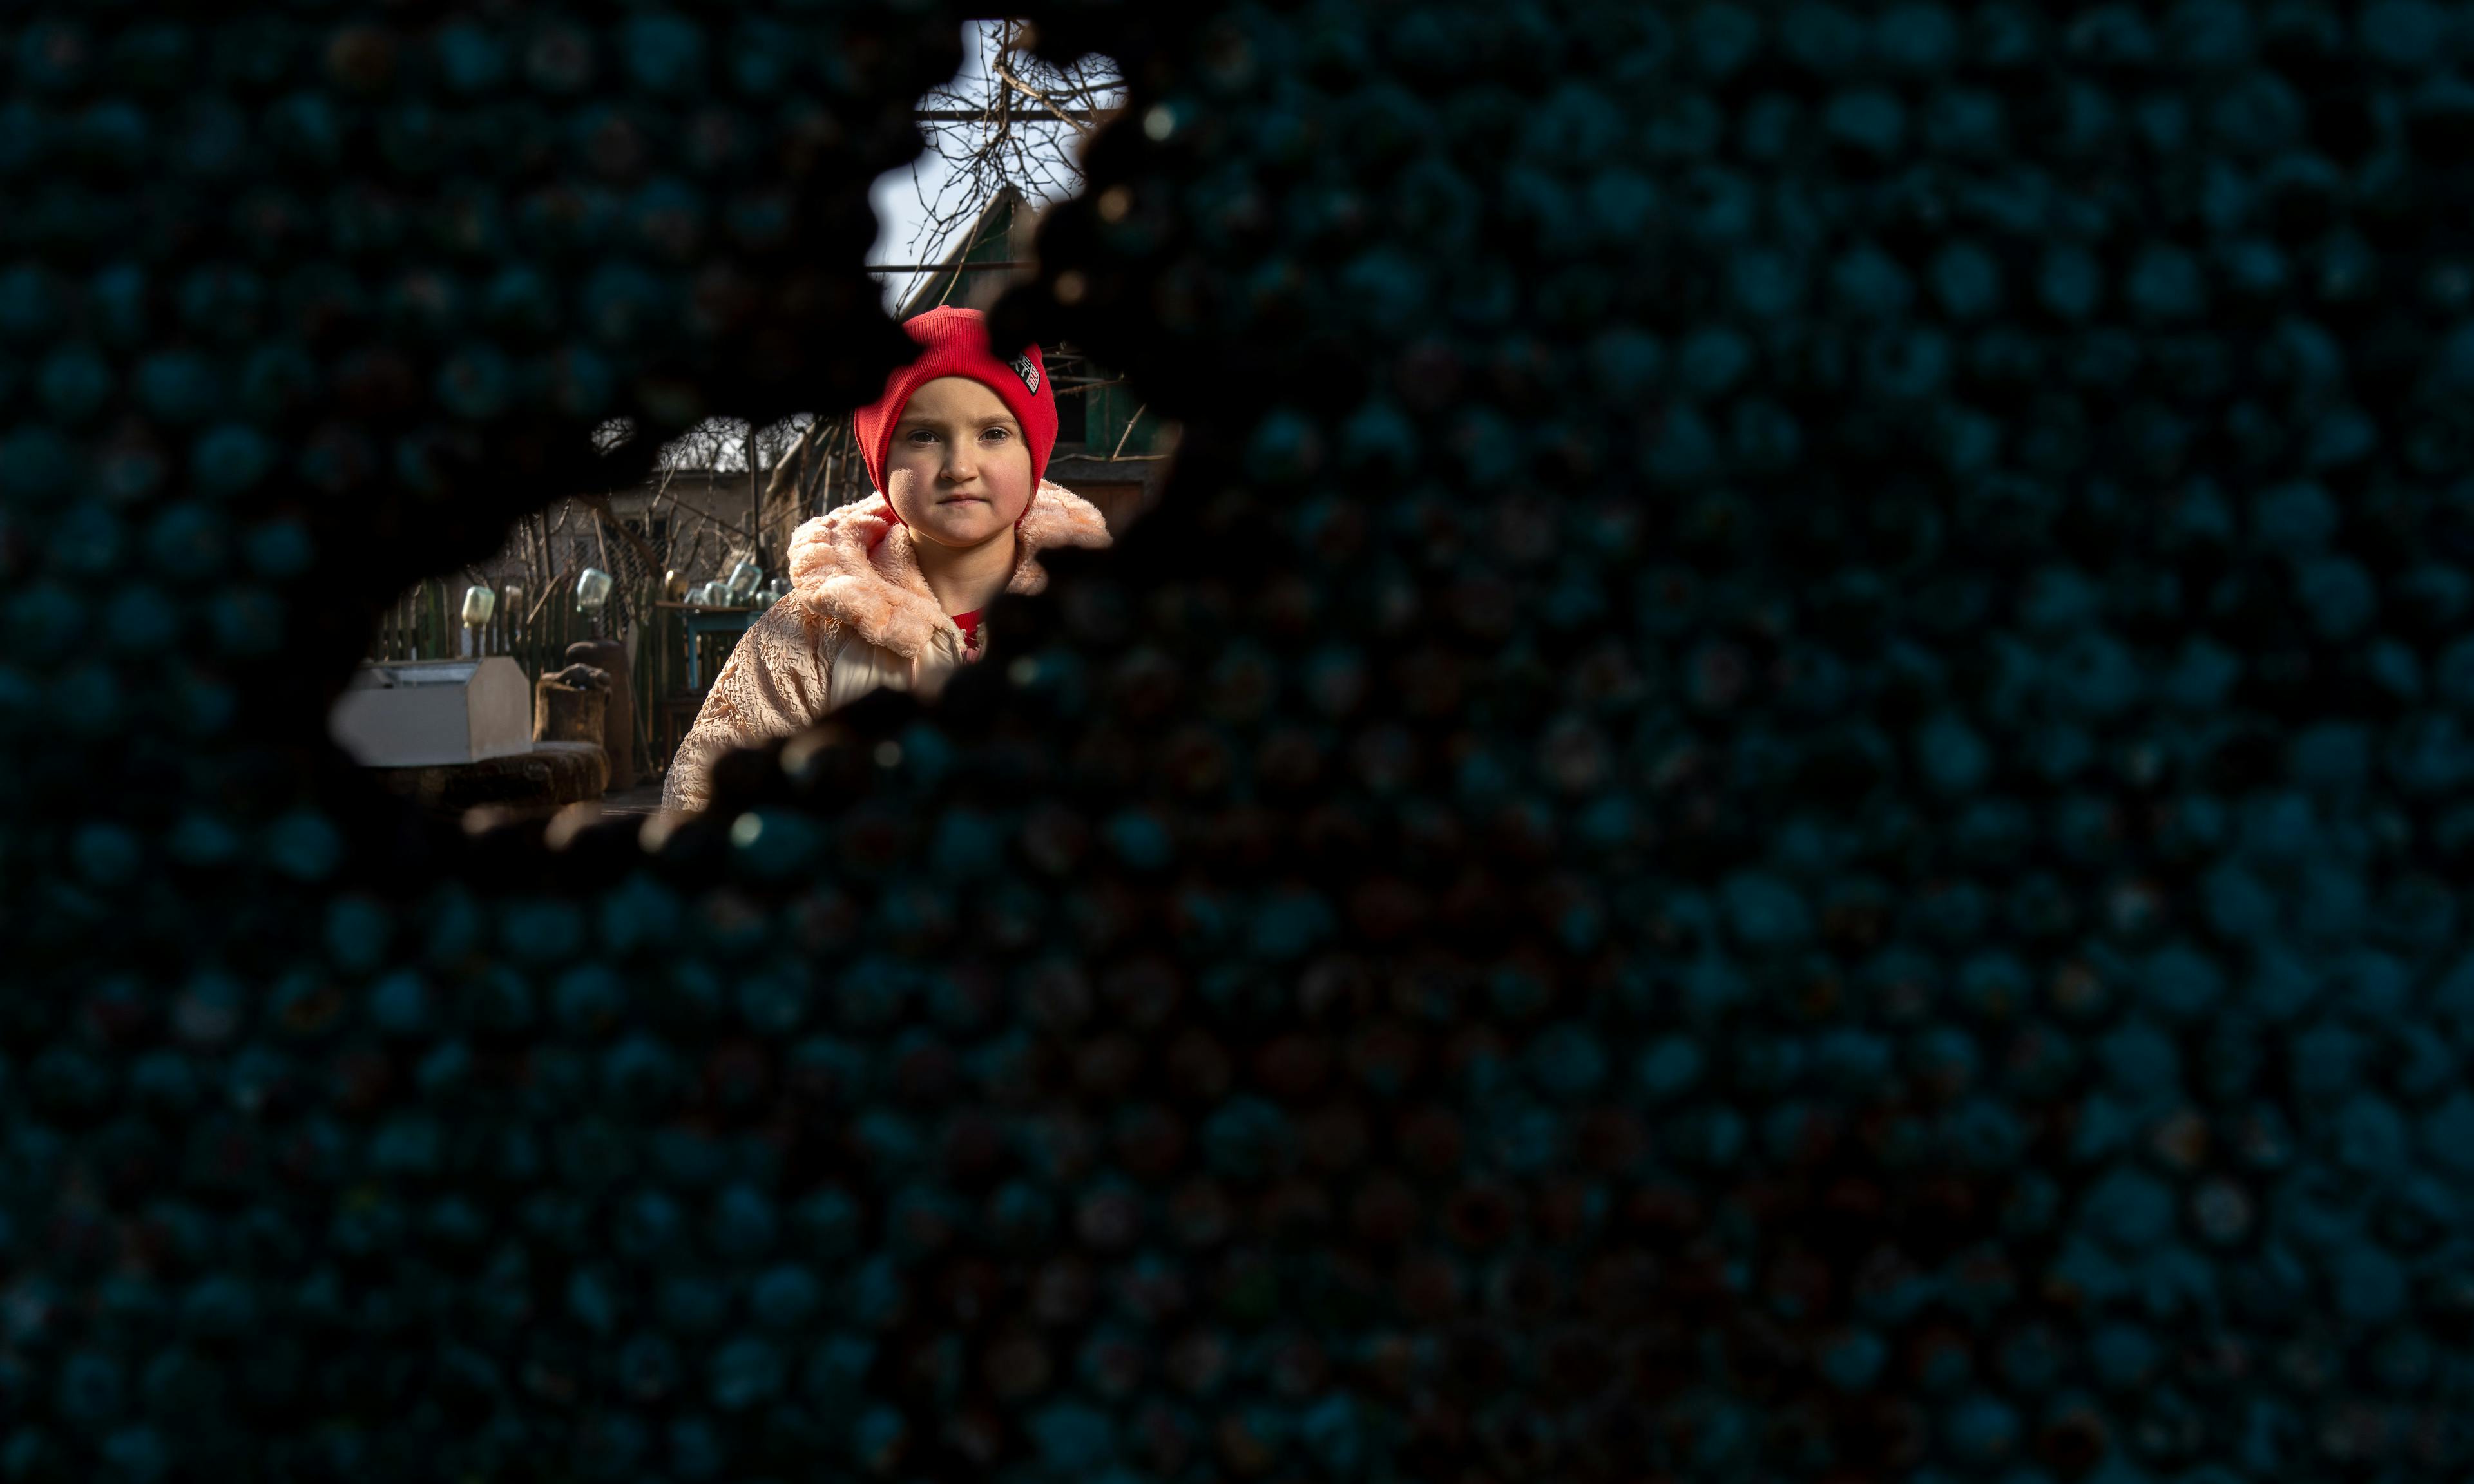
(998, 434)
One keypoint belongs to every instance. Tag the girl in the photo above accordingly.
(889, 592)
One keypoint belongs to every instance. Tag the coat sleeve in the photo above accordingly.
(775, 683)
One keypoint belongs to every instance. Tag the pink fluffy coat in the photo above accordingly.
(860, 615)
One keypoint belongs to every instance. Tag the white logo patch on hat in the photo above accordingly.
(1028, 372)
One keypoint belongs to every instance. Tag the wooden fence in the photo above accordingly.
(426, 623)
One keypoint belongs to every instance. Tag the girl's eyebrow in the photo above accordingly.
(1006, 417)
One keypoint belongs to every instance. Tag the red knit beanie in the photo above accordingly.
(953, 341)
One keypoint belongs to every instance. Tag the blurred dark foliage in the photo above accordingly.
(1782, 795)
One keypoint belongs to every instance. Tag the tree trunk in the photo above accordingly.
(755, 499)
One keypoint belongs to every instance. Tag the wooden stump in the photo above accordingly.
(568, 713)
(618, 716)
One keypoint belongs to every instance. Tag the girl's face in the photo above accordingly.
(958, 470)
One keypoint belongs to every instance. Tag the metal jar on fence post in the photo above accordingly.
(479, 603)
(592, 595)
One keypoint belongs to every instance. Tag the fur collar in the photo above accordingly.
(855, 568)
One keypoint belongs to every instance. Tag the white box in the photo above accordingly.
(428, 714)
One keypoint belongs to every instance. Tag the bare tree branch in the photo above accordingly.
(985, 153)
(1129, 432)
(599, 504)
(1042, 99)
